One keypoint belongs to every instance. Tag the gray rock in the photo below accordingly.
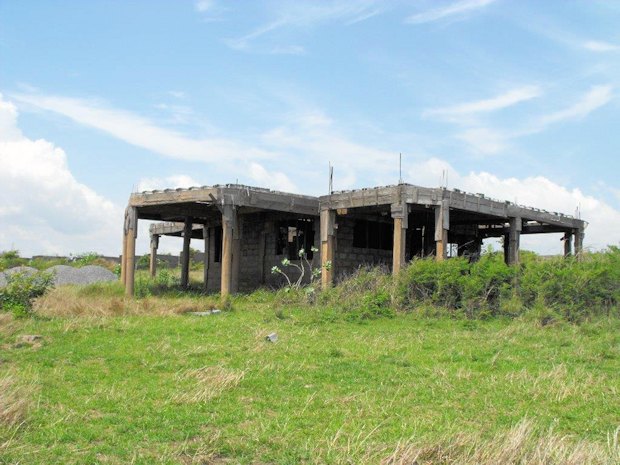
(27, 270)
(64, 274)
(90, 274)
(273, 337)
(97, 274)
(207, 313)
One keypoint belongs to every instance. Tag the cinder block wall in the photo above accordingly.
(348, 258)
(254, 271)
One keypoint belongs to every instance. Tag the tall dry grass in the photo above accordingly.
(8, 325)
(14, 401)
(521, 445)
(210, 382)
(70, 301)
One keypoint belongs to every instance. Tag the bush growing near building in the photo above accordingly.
(567, 287)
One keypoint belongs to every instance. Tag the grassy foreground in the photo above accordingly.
(142, 382)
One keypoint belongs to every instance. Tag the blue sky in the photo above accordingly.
(515, 99)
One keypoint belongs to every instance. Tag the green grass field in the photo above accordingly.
(166, 387)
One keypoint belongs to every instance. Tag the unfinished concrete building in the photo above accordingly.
(248, 230)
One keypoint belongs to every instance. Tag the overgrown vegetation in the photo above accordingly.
(139, 380)
(12, 259)
(21, 290)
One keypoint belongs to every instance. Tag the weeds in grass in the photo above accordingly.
(521, 445)
(210, 382)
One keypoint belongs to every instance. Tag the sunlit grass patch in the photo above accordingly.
(524, 444)
(209, 382)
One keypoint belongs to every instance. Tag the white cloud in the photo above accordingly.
(538, 191)
(507, 99)
(484, 141)
(316, 141)
(142, 132)
(594, 99)
(456, 8)
(204, 5)
(600, 46)
(169, 182)
(44, 208)
(273, 180)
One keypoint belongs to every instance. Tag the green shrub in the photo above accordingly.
(143, 262)
(21, 290)
(84, 259)
(11, 259)
(572, 289)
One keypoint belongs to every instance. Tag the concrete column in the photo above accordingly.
(124, 257)
(236, 255)
(262, 251)
(568, 244)
(328, 230)
(207, 257)
(579, 235)
(153, 258)
(131, 232)
(442, 226)
(187, 237)
(228, 219)
(400, 215)
(514, 239)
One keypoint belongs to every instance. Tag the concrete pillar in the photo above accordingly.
(207, 256)
(153, 258)
(579, 235)
(229, 215)
(514, 239)
(442, 226)
(568, 244)
(400, 215)
(187, 237)
(131, 232)
(124, 257)
(236, 255)
(262, 251)
(328, 230)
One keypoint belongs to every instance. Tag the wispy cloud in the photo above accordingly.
(297, 15)
(595, 98)
(498, 102)
(484, 140)
(600, 46)
(204, 5)
(456, 8)
(142, 132)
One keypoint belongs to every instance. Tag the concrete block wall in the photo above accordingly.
(254, 271)
(348, 258)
